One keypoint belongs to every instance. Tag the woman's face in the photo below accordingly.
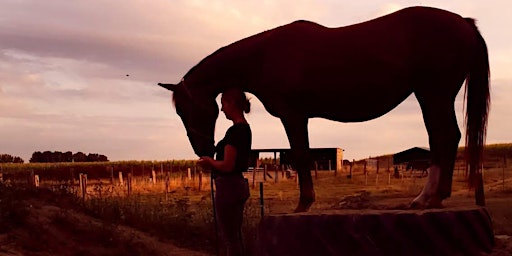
(226, 107)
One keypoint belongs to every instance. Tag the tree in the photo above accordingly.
(6, 158)
(79, 157)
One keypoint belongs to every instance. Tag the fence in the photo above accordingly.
(168, 180)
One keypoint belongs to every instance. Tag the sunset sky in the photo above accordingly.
(81, 75)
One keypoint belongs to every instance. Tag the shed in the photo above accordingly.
(417, 158)
(411, 155)
(325, 158)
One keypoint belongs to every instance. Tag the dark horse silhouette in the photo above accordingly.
(353, 74)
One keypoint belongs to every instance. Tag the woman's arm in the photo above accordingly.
(226, 165)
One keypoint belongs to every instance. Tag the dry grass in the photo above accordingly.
(184, 214)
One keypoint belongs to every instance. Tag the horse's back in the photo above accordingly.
(383, 56)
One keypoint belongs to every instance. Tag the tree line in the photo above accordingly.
(6, 158)
(60, 157)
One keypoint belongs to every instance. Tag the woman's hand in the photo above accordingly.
(205, 162)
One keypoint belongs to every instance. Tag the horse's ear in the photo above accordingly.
(170, 87)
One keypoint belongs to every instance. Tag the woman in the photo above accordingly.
(232, 158)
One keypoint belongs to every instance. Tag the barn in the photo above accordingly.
(322, 158)
(416, 158)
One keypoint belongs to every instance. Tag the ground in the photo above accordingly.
(55, 226)
(47, 225)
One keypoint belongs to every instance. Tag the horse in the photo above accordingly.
(353, 73)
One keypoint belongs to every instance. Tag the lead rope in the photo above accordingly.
(214, 216)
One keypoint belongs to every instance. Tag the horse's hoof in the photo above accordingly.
(431, 203)
(435, 203)
(304, 204)
(416, 205)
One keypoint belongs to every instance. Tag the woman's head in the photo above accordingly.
(234, 101)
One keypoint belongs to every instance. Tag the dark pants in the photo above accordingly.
(231, 193)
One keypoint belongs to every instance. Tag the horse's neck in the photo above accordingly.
(231, 66)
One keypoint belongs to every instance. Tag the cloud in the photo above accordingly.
(63, 68)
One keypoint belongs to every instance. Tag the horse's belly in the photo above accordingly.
(354, 109)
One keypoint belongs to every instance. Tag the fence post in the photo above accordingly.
(36, 181)
(121, 178)
(189, 174)
(351, 165)
(167, 185)
(254, 178)
(265, 172)
(83, 185)
(129, 184)
(111, 174)
(153, 174)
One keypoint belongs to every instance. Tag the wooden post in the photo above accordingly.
(167, 182)
(389, 178)
(377, 179)
(189, 174)
(365, 177)
(83, 185)
(153, 174)
(254, 178)
(129, 184)
(351, 164)
(111, 175)
(265, 172)
(121, 178)
(36, 181)
(329, 165)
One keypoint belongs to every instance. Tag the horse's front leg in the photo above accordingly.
(297, 131)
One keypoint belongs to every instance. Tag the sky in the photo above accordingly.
(81, 75)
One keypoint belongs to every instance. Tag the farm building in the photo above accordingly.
(324, 158)
(417, 158)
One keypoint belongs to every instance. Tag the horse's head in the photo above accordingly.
(198, 113)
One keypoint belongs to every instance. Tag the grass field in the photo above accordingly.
(176, 211)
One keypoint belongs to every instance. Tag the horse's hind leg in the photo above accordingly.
(444, 136)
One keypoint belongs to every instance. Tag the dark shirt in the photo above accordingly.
(239, 136)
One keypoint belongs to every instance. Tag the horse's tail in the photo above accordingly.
(477, 107)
